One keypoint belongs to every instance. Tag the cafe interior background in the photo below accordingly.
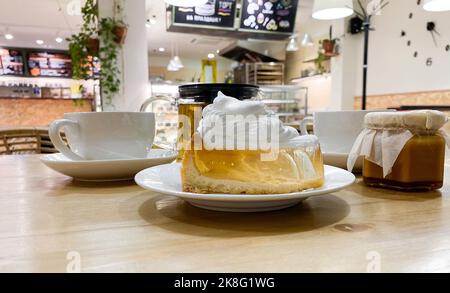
(224, 41)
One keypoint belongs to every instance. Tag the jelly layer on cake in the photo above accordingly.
(234, 171)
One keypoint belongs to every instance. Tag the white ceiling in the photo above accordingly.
(29, 20)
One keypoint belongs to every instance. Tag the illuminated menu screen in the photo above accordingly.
(47, 64)
(94, 73)
(11, 62)
(270, 16)
(216, 13)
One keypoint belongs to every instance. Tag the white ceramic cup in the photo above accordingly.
(104, 135)
(337, 130)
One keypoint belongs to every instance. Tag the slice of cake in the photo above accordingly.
(226, 168)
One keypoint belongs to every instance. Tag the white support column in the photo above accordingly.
(343, 68)
(133, 57)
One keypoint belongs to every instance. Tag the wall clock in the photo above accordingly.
(431, 28)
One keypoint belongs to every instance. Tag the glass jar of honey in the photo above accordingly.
(194, 97)
(403, 150)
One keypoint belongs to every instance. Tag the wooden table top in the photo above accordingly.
(48, 222)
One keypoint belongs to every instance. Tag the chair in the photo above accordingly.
(20, 141)
(47, 146)
(26, 141)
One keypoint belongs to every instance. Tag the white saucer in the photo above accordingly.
(106, 170)
(166, 179)
(340, 160)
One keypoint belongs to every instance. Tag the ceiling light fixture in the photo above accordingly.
(292, 45)
(8, 35)
(186, 3)
(59, 40)
(307, 41)
(176, 60)
(436, 5)
(211, 56)
(332, 9)
(162, 49)
(39, 42)
(147, 23)
(173, 65)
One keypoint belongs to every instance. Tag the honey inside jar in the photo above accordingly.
(402, 150)
(419, 166)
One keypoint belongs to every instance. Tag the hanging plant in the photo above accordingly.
(120, 29)
(109, 53)
(101, 38)
(85, 43)
(112, 32)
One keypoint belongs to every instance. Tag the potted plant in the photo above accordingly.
(90, 21)
(120, 29)
(93, 45)
(328, 45)
(120, 33)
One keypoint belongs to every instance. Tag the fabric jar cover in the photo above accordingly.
(386, 133)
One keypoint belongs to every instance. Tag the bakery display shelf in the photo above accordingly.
(263, 82)
(267, 77)
(274, 102)
(287, 114)
(260, 73)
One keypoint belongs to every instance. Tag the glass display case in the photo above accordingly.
(289, 102)
(163, 102)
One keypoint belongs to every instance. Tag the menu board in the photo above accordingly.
(217, 13)
(48, 64)
(11, 62)
(94, 71)
(274, 16)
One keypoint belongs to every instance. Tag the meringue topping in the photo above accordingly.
(231, 124)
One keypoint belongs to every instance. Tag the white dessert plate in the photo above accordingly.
(166, 179)
(106, 170)
(340, 160)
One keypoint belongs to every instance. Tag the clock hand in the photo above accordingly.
(431, 27)
(434, 38)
